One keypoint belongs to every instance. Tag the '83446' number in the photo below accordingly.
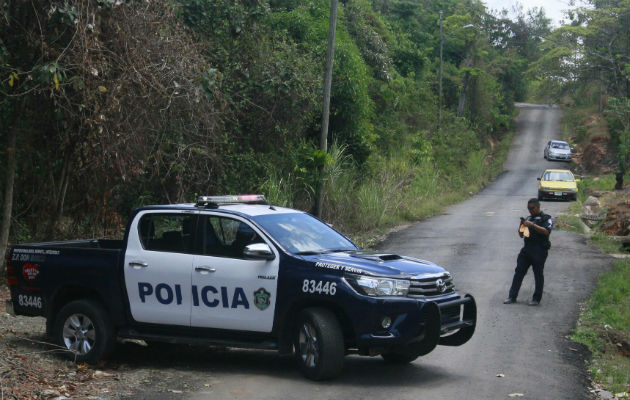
(319, 287)
(30, 301)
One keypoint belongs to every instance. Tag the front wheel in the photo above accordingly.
(319, 344)
(82, 327)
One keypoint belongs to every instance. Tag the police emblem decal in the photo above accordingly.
(440, 285)
(262, 298)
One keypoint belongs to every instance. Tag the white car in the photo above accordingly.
(558, 150)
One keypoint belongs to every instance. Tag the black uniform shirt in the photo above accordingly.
(535, 238)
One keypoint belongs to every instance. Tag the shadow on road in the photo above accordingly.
(198, 365)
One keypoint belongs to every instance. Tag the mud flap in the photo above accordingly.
(466, 325)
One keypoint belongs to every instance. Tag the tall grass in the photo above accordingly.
(605, 328)
(389, 190)
(603, 182)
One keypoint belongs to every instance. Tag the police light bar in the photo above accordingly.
(215, 201)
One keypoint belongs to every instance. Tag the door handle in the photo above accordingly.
(205, 270)
(138, 264)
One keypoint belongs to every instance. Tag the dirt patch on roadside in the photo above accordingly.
(32, 368)
(615, 210)
(596, 157)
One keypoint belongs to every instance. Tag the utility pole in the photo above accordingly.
(323, 138)
(441, 63)
(440, 93)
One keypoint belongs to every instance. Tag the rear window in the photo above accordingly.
(167, 232)
(558, 176)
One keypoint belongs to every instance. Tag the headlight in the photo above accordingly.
(374, 286)
(545, 188)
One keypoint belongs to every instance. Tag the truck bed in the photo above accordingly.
(113, 244)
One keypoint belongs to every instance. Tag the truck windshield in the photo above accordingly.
(303, 234)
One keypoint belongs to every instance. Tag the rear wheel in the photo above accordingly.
(82, 327)
(540, 196)
(319, 344)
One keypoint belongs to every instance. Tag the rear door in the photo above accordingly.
(230, 291)
(158, 265)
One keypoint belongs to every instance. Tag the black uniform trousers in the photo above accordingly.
(534, 255)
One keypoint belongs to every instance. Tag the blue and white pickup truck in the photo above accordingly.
(235, 271)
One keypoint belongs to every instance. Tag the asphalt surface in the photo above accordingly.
(516, 349)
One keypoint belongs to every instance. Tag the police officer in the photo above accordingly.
(536, 236)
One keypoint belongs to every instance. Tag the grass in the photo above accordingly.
(571, 221)
(604, 182)
(604, 325)
(605, 243)
(392, 190)
(605, 329)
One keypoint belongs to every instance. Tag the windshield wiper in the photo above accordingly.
(338, 250)
(310, 252)
(322, 251)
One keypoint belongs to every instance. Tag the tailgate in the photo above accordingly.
(24, 278)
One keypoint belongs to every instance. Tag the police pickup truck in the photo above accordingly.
(235, 271)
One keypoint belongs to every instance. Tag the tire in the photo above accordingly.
(319, 345)
(540, 196)
(83, 329)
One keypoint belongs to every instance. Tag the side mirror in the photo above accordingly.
(537, 179)
(259, 251)
(578, 180)
(572, 149)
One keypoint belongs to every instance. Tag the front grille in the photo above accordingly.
(431, 287)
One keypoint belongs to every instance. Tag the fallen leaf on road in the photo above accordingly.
(516, 395)
(101, 374)
(500, 375)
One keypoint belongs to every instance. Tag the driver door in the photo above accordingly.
(229, 290)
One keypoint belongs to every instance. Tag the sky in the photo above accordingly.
(553, 8)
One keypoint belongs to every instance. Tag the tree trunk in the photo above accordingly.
(462, 97)
(7, 204)
(619, 181)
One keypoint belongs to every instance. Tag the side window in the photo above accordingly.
(167, 232)
(227, 237)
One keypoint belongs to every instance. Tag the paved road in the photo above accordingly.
(477, 241)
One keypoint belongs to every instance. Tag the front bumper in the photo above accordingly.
(557, 194)
(450, 323)
(559, 157)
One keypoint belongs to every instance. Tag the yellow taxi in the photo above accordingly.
(557, 184)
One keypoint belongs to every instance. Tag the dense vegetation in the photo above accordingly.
(587, 62)
(107, 105)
